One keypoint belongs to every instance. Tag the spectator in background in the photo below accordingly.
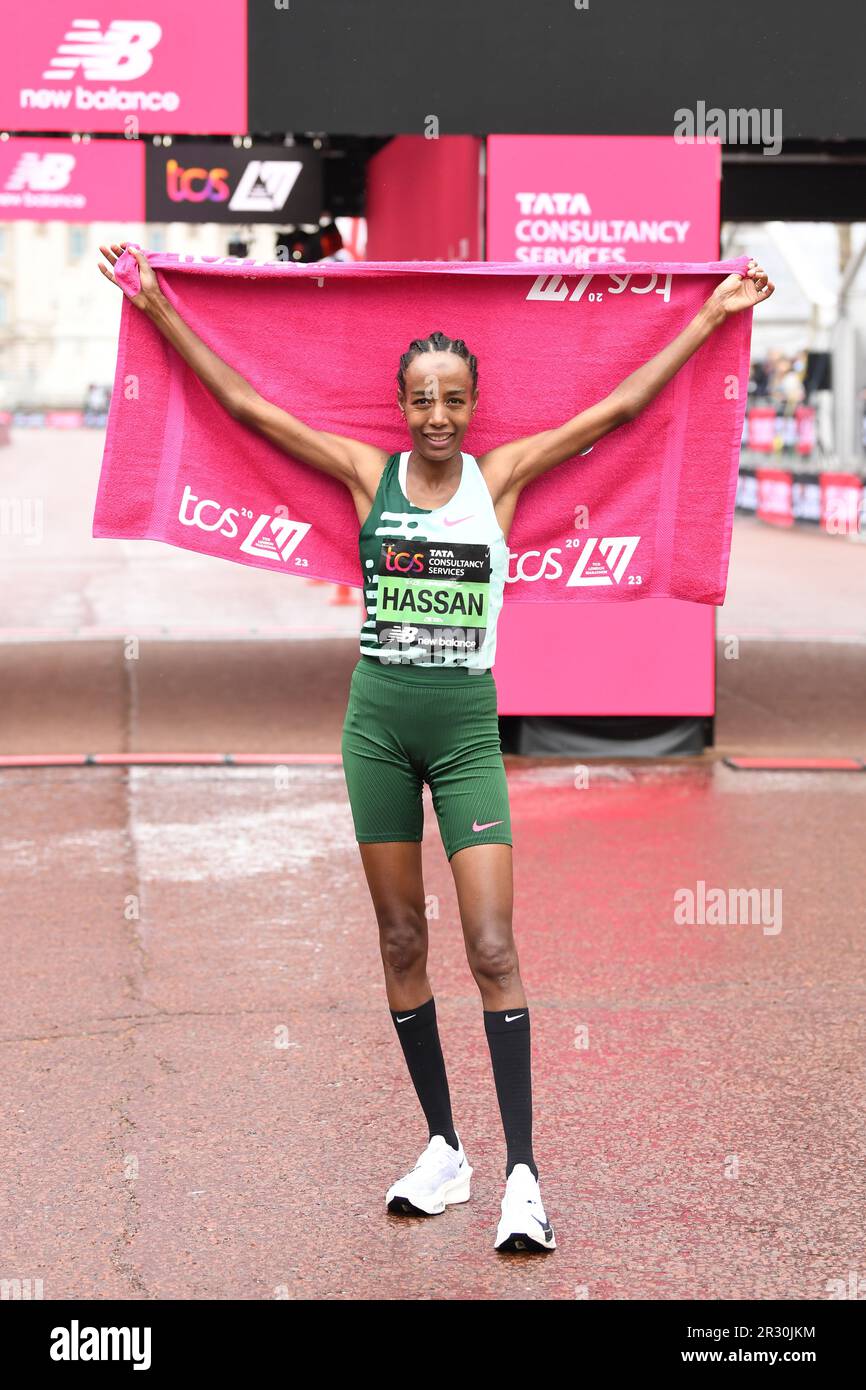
(96, 404)
(757, 380)
(791, 386)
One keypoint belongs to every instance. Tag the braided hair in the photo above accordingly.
(436, 342)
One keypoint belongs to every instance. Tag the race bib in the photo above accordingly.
(434, 595)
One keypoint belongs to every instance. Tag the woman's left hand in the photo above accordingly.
(738, 292)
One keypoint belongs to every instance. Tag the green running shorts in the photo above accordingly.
(404, 728)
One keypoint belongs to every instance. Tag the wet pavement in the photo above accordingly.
(205, 1098)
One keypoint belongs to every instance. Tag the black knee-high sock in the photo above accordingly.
(419, 1037)
(508, 1038)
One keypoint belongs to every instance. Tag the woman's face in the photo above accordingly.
(438, 403)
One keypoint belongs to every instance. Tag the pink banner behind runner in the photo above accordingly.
(646, 513)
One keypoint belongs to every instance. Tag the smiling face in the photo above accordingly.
(438, 404)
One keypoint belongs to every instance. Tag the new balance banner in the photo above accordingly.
(190, 182)
(58, 180)
(129, 67)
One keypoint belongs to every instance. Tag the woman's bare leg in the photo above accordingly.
(396, 886)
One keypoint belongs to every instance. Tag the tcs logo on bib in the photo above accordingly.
(402, 562)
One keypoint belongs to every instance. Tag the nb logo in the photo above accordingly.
(41, 173)
(123, 53)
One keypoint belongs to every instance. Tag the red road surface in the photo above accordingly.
(207, 1099)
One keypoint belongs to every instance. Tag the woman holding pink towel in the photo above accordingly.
(434, 522)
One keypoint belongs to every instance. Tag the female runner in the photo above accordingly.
(422, 705)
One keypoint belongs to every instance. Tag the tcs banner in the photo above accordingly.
(581, 201)
(575, 204)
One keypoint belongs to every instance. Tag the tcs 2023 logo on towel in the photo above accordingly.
(267, 535)
(600, 562)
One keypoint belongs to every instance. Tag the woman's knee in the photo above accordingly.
(492, 957)
(403, 940)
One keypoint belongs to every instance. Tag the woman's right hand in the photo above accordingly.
(149, 293)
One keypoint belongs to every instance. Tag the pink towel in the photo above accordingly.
(647, 513)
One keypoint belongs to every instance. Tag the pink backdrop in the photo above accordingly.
(658, 656)
(424, 200)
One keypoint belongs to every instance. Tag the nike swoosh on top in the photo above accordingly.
(509, 1018)
(457, 520)
(403, 1020)
(486, 826)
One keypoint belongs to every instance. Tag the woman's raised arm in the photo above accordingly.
(509, 467)
(354, 463)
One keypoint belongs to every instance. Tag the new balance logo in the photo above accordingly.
(123, 53)
(609, 565)
(41, 173)
(265, 185)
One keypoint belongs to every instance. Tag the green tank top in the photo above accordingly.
(434, 580)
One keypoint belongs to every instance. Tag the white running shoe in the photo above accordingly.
(523, 1224)
(440, 1177)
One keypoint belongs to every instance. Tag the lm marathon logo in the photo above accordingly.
(600, 562)
(122, 52)
(269, 536)
(554, 288)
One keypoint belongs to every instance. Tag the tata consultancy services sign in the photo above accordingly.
(128, 66)
(585, 202)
